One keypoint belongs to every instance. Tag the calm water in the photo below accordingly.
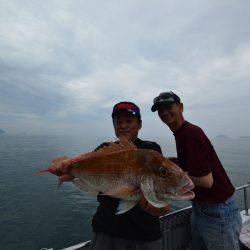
(33, 216)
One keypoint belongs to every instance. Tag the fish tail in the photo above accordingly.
(42, 171)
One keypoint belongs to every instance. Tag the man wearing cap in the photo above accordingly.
(216, 221)
(138, 228)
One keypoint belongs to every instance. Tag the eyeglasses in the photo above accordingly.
(165, 96)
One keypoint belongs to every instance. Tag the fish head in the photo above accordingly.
(165, 181)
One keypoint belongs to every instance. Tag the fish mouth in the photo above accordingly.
(189, 195)
(186, 196)
(187, 187)
(184, 193)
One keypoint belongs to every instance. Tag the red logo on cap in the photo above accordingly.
(125, 105)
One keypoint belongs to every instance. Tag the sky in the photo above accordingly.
(65, 63)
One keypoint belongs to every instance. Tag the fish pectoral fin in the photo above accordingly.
(61, 179)
(125, 206)
(122, 191)
(84, 187)
(59, 184)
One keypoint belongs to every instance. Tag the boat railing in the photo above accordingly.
(175, 226)
(244, 187)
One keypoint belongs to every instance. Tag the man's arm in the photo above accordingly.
(203, 181)
(146, 206)
(199, 162)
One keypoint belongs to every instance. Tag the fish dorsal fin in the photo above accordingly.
(123, 144)
(83, 157)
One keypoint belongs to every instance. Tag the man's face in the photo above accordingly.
(126, 125)
(170, 114)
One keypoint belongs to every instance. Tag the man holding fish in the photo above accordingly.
(139, 228)
(133, 181)
(216, 221)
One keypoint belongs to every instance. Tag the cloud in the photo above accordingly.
(64, 64)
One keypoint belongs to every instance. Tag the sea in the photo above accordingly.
(34, 216)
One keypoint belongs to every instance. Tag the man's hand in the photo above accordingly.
(56, 165)
(146, 206)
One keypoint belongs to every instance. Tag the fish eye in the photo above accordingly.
(163, 172)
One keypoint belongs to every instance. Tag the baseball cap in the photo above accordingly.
(165, 98)
(129, 106)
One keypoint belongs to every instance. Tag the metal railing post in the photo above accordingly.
(245, 201)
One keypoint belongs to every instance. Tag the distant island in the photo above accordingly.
(222, 136)
(2, 131)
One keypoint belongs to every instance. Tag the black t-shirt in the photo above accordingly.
(197, 156)
(136, 224)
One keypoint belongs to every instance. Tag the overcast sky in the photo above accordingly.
(64, 64)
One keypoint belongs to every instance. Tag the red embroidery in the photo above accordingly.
(125, 105)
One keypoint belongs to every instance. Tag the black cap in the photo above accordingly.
(129, 106)
(165, 98)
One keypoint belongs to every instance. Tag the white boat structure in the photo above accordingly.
(176, 229)
(245, 231)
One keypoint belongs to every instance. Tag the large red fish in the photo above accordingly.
(125, 172)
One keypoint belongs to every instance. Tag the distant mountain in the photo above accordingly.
(2, 131)
(245, 137)
(222, 136)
